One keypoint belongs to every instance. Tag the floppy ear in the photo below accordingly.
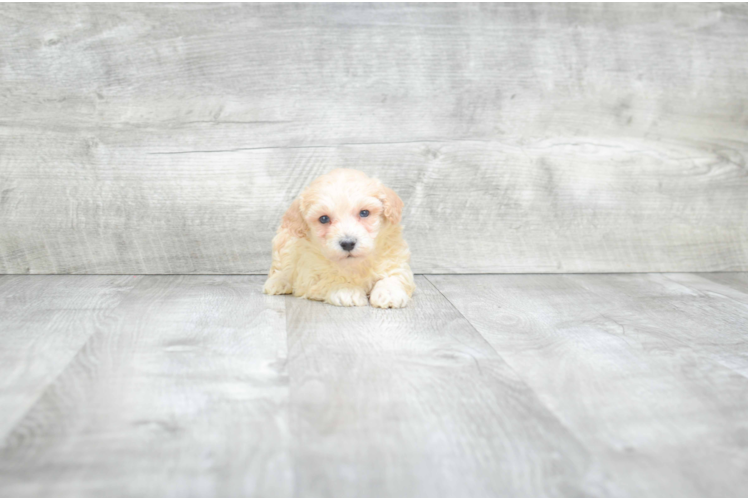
(393, 205)
(293, 221)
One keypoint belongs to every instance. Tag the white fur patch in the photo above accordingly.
(276, 285)
(348, 297)
(389, 293)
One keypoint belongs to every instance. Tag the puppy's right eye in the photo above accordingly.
(324, 219)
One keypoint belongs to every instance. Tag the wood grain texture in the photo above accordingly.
(738, 281)
(185, 395)
(44, 321)
(719, 326)
(414, 402)
(169, 138)
(643, 369)
(607, 385)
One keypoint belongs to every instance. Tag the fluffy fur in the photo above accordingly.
(309, 261)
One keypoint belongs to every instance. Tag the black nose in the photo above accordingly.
(347, 245)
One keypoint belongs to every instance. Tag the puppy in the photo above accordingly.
(341, 241)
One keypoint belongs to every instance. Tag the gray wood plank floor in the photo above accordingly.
(513, 385)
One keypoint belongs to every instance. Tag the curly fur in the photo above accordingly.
(309, 261)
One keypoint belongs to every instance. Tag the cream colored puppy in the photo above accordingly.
(341, 241)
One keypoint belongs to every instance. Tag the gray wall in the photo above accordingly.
(523, 138)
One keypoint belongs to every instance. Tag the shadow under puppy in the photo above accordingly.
(341, 241)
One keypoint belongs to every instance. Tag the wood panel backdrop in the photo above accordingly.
(170, 138)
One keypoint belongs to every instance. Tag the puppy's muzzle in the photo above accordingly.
(348, 244)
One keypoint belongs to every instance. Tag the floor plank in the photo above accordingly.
(414, 402)
(738, 281)
(711, 318)
(628, 363)
(501, 385)
(44, 321)
(185, 394)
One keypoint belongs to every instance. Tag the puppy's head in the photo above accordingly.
(342, 212)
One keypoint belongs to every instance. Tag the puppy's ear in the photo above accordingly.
(393, 205)
(293, 221)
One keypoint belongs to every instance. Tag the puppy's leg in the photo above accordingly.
(347, 296)
(395, 290)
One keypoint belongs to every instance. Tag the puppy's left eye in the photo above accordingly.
(364, 213)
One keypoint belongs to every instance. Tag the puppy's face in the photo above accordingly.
(344, 211)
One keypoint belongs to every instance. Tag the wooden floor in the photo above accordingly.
(501, 385)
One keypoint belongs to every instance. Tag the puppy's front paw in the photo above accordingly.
(347, 297)
(388, 294)
(277, 286)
